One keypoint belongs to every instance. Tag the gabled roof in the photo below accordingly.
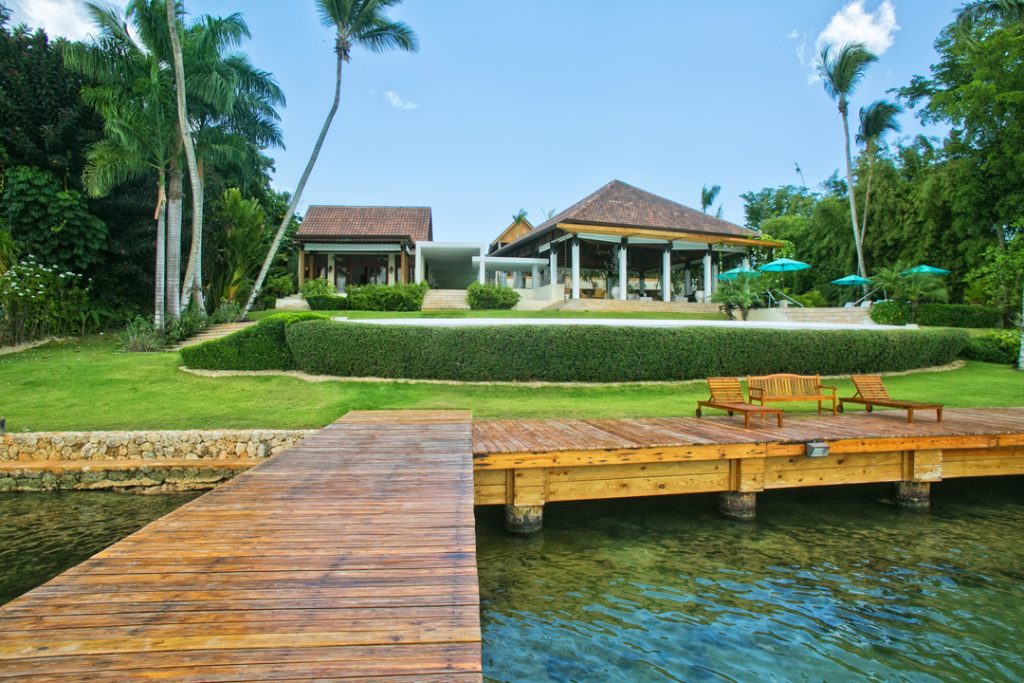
(323, 223)
(513, 232)
(618, 204)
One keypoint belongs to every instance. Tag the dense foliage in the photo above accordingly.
(600, 354)
(995, 347)
(399, 297)
(958, 315)
(260, 347)
(484, 297)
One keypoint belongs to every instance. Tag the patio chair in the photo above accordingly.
(727, 395)
(871, 392)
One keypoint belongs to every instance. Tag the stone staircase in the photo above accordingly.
(212, 332)
(846, 316)
(295, 302)
(445, 300)
(633, 306)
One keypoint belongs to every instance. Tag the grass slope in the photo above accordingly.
(89, 385)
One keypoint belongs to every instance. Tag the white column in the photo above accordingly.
(575, 269)
(714, 275)
(707, 275)
(623, 277)
(482, 275)
(746, 263)
(517, 279)
(535, 277)
(687, 283)
(666, 274)
(553, 267)
(419, 265)
(330, 268)
(392, 275)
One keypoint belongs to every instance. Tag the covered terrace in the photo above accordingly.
(624, 242)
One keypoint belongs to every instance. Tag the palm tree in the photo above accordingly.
(708, 195)
(355, 22)
(979, 10)
(841, 72)
(876, 119)
(742, 292)
(519, 217)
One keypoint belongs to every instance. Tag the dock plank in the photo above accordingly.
(351, 555)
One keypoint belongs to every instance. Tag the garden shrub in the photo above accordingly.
(328, 303)
(811, 299)
(260, 347)
(491, 297)
(191, 322)
(141, 335)
(995, 347)
(890, 313)
(398, 297)
(39, 301)
(958, 315)
(606, 354)
(317, 287)
(228, 312)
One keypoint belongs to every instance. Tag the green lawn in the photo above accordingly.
(256, 315)
(89, 385)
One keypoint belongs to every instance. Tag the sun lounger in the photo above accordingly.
(871, 392)
(727, 395)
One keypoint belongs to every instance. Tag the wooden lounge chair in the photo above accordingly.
(871, 392)
(787, 387)
(727, 395)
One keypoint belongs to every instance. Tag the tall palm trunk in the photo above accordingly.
(867, 193)
(193, 273)
(161, 254)
(174, 198)
(862, 271)
(272, 252)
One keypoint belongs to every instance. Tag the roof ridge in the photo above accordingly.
(364, 206)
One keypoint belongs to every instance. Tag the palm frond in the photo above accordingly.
(877, 119)
(387, 35)
(842, 69)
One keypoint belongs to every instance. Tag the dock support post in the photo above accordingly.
(524, 520)
(738, 505)
(913, 495)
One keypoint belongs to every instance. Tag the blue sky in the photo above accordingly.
(537, 103)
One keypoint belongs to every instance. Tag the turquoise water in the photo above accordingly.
(829, 584)
(42, 534)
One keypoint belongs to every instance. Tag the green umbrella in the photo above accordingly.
(852, 281)
(734, 273)
(926, 270)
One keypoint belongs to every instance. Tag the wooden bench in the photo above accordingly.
(784, 387)
(727, 395)
(871, 392)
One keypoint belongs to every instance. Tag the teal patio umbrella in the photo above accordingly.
(733, 273)
(783, 265)
(926, 270)
(852, 281)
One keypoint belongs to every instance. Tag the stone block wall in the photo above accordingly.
(185, 445)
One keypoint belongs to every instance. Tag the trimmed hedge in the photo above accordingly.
(958, 315)
(890, 313)
(260, 347)
(328, 303)
(407, 297)
(606, 354)
(1001, 347)
(491, 297)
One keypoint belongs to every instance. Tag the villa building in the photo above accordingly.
(620, 242)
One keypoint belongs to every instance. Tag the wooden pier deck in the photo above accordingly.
(527, 463)
(353, 554)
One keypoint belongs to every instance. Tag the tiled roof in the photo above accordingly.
(622, 205)
(325, 222)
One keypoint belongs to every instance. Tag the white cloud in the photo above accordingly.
(396, 101)
(67, 18)
(853, 23)
(793, 35)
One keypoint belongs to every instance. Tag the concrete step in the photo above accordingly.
(633, 306)
(295, 302)
(213, 332)
(445, 299)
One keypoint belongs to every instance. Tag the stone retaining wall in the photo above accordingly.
(149, 476)
(186, 445)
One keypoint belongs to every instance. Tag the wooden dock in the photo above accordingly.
(524, 464)
(353, 554)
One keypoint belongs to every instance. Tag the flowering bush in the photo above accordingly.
(40, 301)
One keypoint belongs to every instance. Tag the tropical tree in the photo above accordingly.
(876, 119)
(134, 95)
(979, 10)
(708, 195)
(355, 23)
(519, 218)
(8, 252)
(240, 243)
(742, 292)
(841, 71)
